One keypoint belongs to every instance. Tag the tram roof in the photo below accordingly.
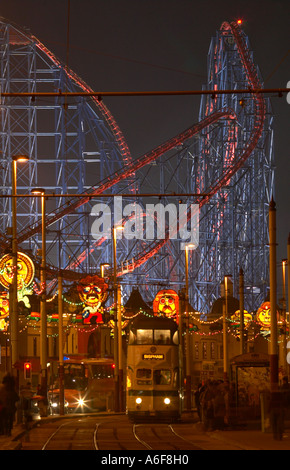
(159, 323)
(90, 360)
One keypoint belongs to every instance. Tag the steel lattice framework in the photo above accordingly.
(234, 223)
(75, 146)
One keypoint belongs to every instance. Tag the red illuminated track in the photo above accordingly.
(250, 146)
(130, 166)
(127, 171)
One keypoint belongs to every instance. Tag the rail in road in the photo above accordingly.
(116, 433)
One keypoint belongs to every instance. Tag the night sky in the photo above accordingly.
(142, 45)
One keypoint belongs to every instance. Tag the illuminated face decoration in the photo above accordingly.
(93, 292)
(236, 318)
(25, 271)
(264, 316)
(166, 303)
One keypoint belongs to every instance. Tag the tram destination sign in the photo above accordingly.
(150, 356)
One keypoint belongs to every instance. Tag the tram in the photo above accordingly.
(153, 375)
(88, 386)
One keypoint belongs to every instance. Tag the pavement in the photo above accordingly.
(249, 438)
(253, 439)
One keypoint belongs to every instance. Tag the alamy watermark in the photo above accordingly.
(154, 222)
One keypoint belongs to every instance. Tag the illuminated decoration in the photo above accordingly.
(166, 303)
(93, 292)
(4, 311)
(34, 316)
(52, 318)
(235, 318)
(263, 316)
(4, 305)
(25, 271)
(111, 324)
(76, 318)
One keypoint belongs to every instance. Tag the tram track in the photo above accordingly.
(107, 434)
(147, 436)
(116, 433)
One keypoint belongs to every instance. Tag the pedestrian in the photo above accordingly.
(219, 408)
(10, 406)
(26, 395)
(3, 400)
(286, 390)
(197, 396)
(277, 410)
(207, 406)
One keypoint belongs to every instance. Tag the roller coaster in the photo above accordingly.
(76, 146)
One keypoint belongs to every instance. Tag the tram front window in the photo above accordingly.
(144, 336)
(162, 377)
(161, 336)
(144, 377)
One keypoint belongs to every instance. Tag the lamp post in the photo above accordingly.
(187, 353)
(102, 267)
(288, 256)
(43, 319)
(284, 264)
(288, 291)
(225, 317)
(241, 302)
(60, 347)
(117, 359)
(273, 297)
(13, 307)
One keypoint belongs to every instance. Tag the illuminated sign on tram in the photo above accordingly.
(153, 356)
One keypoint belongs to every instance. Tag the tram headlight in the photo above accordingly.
(139, 400)
(167, 401)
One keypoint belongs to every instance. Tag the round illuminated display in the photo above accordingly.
(25, 271)
(264, 315)
(166, 303)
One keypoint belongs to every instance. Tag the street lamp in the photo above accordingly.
(13, 312)
(225, 317)
(118, 371)
(288, 284)
(103, 266)
(284, 264)
(274, 361)
(187, 353)
(43, 320)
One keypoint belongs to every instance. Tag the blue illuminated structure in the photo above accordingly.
(76, 147)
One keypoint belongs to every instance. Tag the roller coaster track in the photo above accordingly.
(131, 166)
(260, 110)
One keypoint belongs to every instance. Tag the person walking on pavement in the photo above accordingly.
(277, 410)
(26, 395)
(11, 398)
